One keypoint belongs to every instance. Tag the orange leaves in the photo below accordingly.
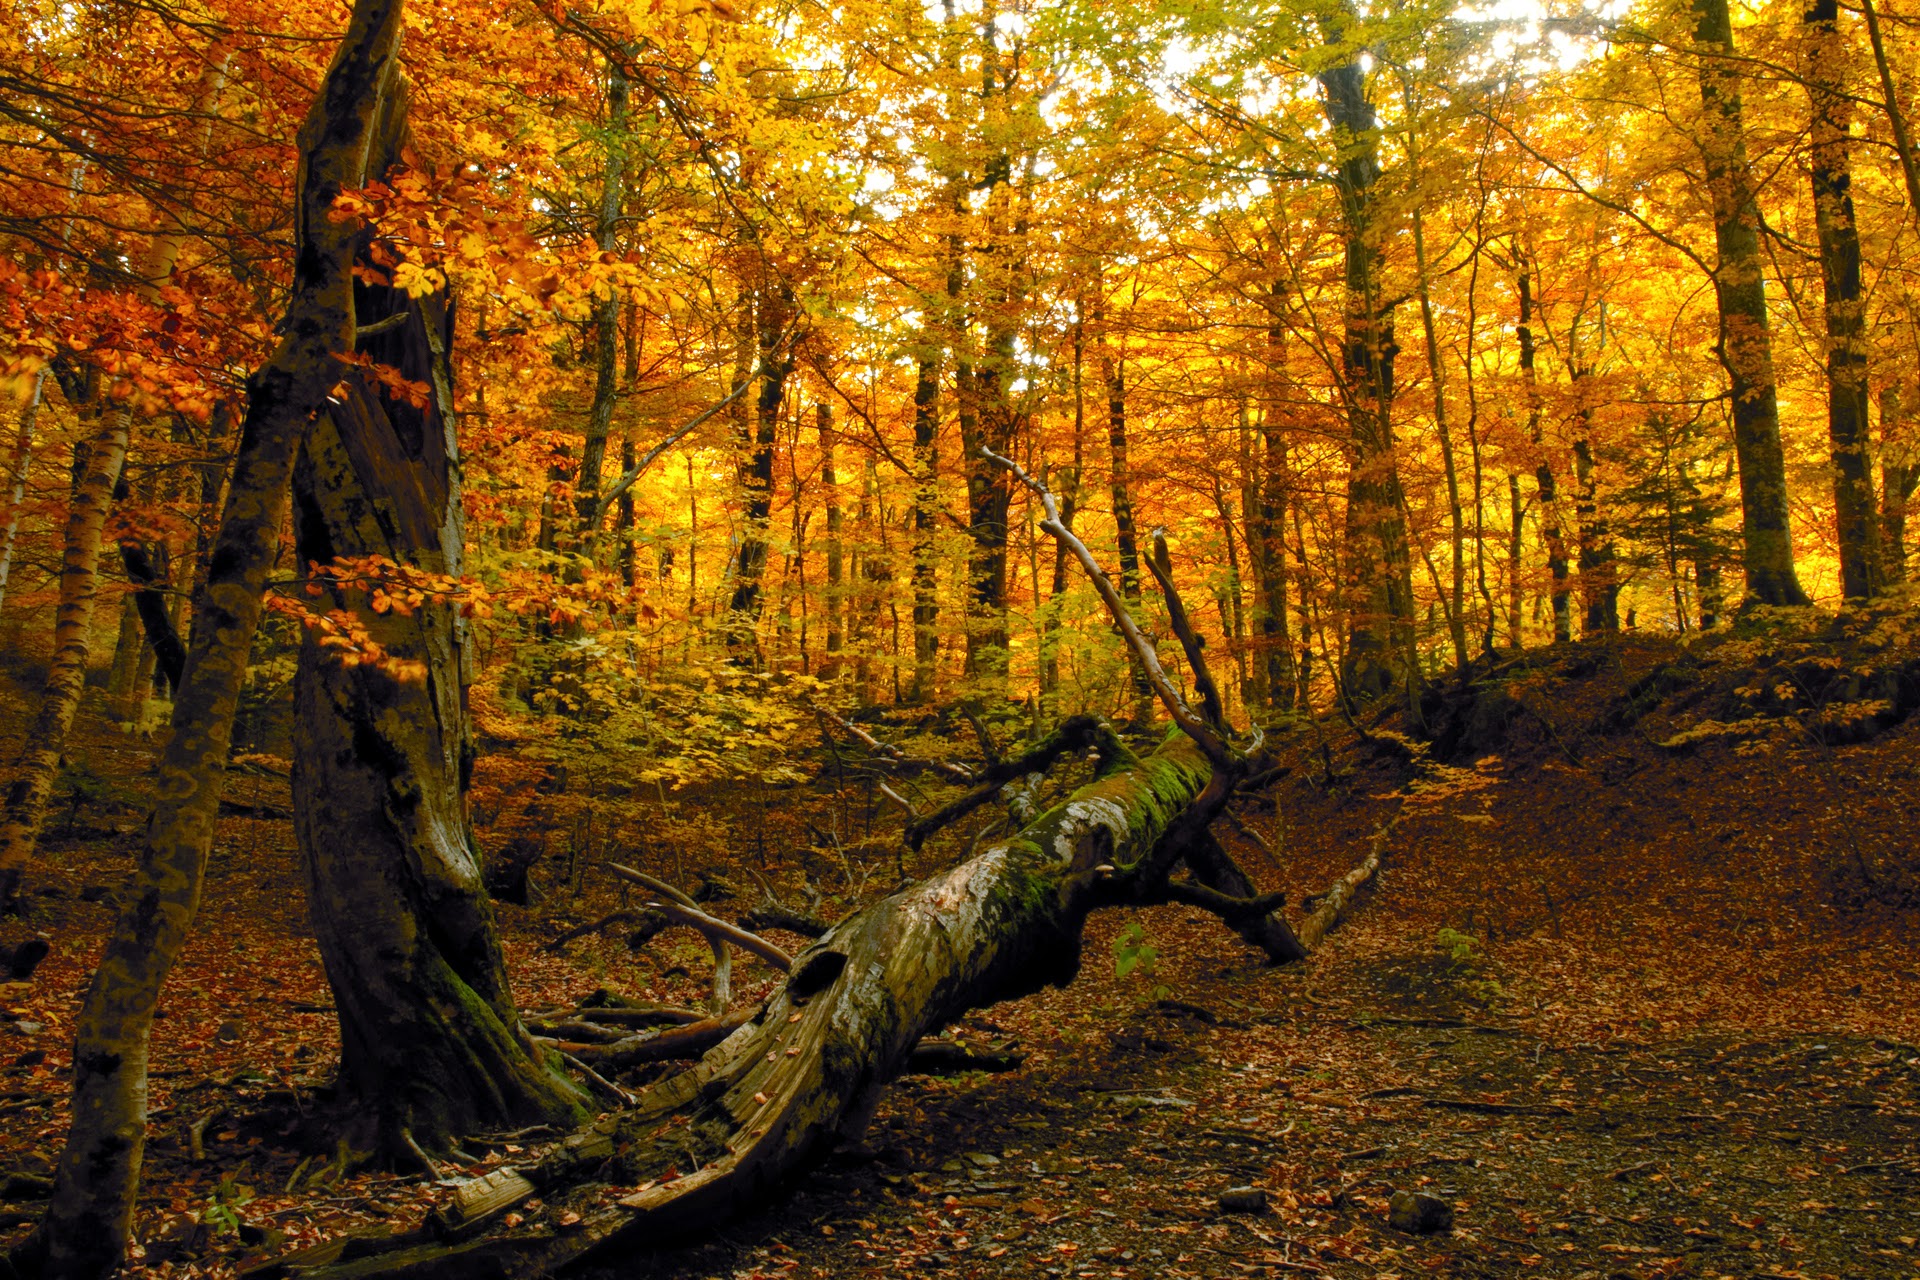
(373, 592)
(390, 380)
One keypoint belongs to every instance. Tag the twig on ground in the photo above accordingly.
(599, 1083)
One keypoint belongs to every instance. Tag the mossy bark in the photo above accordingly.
(806, 1072)
(1745, 343)
(431, 1044)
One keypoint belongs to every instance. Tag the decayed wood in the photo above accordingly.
(687, 1042)
(1338, 899)
(1192, 724)
(782, 1084)
(650, 1016)
(431, 1042)
(933, 1057)
(720, 989)
(804, 1071)
(770, 916)
(1075, 733)
(477, 1202)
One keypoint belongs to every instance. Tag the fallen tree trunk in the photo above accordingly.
(805, 1073)
(1338, 900)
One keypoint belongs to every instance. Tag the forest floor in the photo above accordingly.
(1635, 1010)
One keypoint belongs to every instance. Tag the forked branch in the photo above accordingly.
(1076, 733)
(1161, 564)
(887, 751)
(1206, 736)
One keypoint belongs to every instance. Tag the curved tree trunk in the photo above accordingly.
(805, 1073)
(431, 1043)
(88, 1219)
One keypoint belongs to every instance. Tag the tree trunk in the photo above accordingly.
(1067, 485)
(1516, 540)
(876, 577)
(1127, 543)
(1902, 139)
(1899, 477)
(1746, 344)
(1856, 518)
(1266, 515)
(606, 314)
(1599, 565)
(1379, 565)
(987, 421)
(431, 1044)
(17, 481)
(1267, 544)
(1599, 557)
(836, 568)
(806, 1072)
(1231, 597)
(926, 508)
(85, 1229)
(126, 659)
(756, 472)
(38, 764)
(1551, 529)
(1456, 611)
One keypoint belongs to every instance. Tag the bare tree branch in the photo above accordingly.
(1204, 735)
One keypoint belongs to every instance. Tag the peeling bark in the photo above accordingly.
(805, 1072)
(25, 808)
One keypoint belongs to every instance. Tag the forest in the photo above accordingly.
(755, 638)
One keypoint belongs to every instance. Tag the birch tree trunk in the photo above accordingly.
(35, 769)
(17, 481)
